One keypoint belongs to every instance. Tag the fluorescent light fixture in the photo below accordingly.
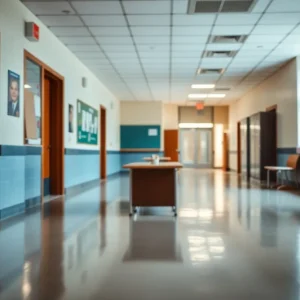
(216, 95)
(27, 86)
(196, 125)
(203, 86)
(197, 96)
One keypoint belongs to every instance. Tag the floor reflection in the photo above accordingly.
(229, 241)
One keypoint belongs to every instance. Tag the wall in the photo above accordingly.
(53, 53)
(139, 115)
(170, 116)
(281, 90)
(188, 114)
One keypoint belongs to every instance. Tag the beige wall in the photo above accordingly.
(170, 116)
(189, 114)
(221, 115)
(279, 89)
(141, 113)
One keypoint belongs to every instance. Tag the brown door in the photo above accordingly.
(46, 137)
(103, 142)
(171, 144)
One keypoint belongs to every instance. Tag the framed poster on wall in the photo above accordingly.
(87, 124)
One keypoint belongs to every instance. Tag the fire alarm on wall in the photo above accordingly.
(32, 31)
(84, 82)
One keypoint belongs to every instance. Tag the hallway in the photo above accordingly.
(229, 241)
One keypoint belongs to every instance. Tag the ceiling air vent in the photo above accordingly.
(227, 39)
(220, 6)
(210, 71)
(219, 54)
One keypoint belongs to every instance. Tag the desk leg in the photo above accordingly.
(130, 193)
(268, 178)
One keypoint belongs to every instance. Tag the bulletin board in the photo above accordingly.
(87, 124)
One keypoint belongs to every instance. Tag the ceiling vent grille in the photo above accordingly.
(227, 39)
(210, 71)
(219, 54)
(220, 6)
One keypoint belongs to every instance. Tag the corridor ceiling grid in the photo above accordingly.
(151, 50)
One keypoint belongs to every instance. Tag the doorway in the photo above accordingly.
(102, 142)
(171, 144)
(52, 135)
(239, 148)
(196, 147)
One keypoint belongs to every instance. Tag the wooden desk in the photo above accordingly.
(153, 185)
(160, 158)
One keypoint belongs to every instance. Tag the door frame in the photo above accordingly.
(195, 165)
(103, 173)
(58, 124)
(269, 109)
(239, 157)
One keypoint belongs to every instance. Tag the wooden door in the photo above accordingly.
(239, 148)
(171, 144)
(103, 142)
(46, 138)
(225, 152)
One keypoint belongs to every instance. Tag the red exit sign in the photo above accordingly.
(32, 31)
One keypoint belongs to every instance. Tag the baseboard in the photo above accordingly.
(78, 187)
(32, 202)
(12, 211)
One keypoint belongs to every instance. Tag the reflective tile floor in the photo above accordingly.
(229, 241)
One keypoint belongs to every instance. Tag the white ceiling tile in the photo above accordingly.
(263, 38)
(232, 30)
(154, 60)
(259, 46)
(97, 7)
(280, 19)
(187, 47)
(83, 54)
(223, 47)
(222, 62)
(149, 20)
(61, 20)
(70, 31)
(296, 30)
(272, 29)
(152, 39)
(187, 54)
(154, 48)
(194, 60)
(284, 6)
(121, 54)
(101, 20)
(48, 8)
(260, 6)
(252, 53)
(191, 20)
(78, 40)
(147, 7)
(109, 31)
(113, 48)
(91, 48)
(118, 40)
(191, 30)
(147, 30)
(180, 6)
(292, 39)
(121, 60)
(154, 54)
(189, 39)
(237, 19)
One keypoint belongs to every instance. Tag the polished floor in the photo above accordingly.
(229, 241)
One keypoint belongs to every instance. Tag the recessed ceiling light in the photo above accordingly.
(197, 96)
(27, 86)
(216, 95)
(203, 86)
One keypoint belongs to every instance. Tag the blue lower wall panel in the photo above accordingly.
(12, 181)
(81, 168)
(32, 176)
(113, 162)
(283, 154)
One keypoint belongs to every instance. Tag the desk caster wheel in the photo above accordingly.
(175, 214)
(174, 209)
(130, 214)
(134, 210)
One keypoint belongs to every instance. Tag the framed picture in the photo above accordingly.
(71, 114)
(13, 99)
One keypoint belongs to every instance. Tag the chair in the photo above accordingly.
(292, 166)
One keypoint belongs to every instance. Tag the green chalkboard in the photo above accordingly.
(140, 136)
(87, 124)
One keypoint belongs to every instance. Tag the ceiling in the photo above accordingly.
(151, 50)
